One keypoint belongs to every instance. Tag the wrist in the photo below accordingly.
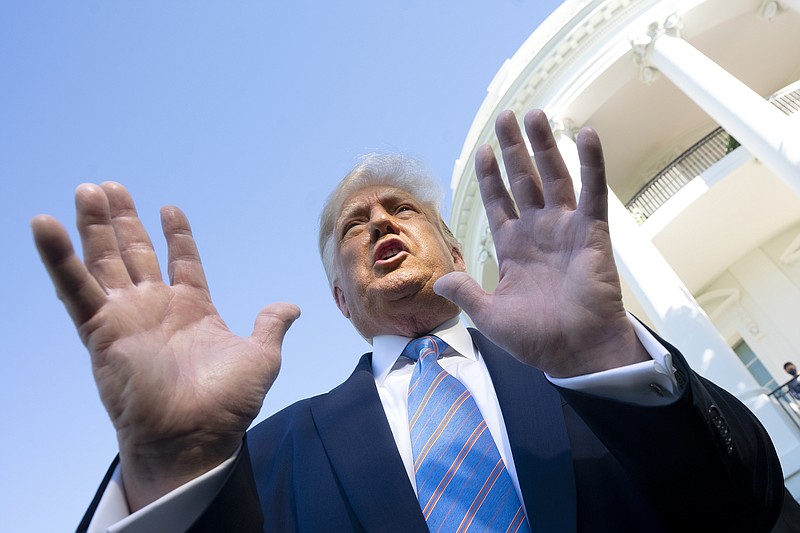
(619, 347)
(153, 470)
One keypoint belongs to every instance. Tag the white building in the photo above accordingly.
(693, 100)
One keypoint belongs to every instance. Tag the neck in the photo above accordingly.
(412, 325)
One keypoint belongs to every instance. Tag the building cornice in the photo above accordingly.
(536, 74)
(579, 42)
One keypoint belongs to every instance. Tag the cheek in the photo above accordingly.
(348, 256)
(352, 269)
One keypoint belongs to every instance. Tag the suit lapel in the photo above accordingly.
(356, 435)
(534, 419)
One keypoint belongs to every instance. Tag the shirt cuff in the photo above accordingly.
(649, 383)
(175, 511)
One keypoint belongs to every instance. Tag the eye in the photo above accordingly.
(404, 208)
(350, 226)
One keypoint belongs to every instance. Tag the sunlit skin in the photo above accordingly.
(389, 252)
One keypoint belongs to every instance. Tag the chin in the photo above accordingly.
(398, 284)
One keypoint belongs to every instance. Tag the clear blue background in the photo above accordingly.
(245, 114)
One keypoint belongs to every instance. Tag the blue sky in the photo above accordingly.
(245, 114)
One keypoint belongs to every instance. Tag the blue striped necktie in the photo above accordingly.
(462, 482)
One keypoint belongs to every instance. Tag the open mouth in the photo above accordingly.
(388, 251)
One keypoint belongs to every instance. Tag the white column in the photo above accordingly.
(766, 132)
(668, 304)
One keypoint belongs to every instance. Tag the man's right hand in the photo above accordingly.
(180, 387)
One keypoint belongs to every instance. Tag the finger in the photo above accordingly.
(184, 263)
(594, 187)
(100, 247)
(135, 246)
(522, 175)
(76, 288)
(465, 292)
(556, 182)
(273, 322)
(496, 201)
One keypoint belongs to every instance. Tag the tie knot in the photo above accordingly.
(423, 346)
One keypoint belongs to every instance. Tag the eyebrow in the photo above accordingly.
(388, 196)
(349, 210)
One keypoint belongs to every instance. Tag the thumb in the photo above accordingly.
(465, 292)
(273, 322)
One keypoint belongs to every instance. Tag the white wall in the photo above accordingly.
(767, 315)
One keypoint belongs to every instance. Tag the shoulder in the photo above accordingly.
(297, 420)
(273, 443)
(287, 421)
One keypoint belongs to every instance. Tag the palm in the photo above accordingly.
(557, 288)
(180, 388)
(162, 359)
(558, 302)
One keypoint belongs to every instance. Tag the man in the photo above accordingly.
(794, 386)
(644, 445)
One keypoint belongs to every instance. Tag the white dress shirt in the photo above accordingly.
(648, 383)
(462, 360)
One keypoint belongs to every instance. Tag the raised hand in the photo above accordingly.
(180, 388)
(558, 304)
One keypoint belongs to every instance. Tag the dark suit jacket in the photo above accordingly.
(329, 463)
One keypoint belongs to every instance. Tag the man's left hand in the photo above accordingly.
(558, 305)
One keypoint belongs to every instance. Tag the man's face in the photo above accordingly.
(389, 252)
(791, 369)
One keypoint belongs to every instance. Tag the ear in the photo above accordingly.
(341, 302)
(458, 259)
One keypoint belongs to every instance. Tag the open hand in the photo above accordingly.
(558, 305)
(180, 387)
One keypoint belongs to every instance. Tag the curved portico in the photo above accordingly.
(655, 78)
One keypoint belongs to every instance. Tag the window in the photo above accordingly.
(754, 365)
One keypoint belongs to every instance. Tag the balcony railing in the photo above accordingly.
(789, 400)
(697, 159)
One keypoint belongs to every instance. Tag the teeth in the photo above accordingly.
(389, 252)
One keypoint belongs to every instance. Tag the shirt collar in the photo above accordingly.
(387, 348)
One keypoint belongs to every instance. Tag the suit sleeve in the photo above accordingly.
(236, 507)
(704, 460)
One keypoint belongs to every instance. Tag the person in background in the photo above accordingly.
(794, 384)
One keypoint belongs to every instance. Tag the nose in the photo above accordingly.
(381, 223)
